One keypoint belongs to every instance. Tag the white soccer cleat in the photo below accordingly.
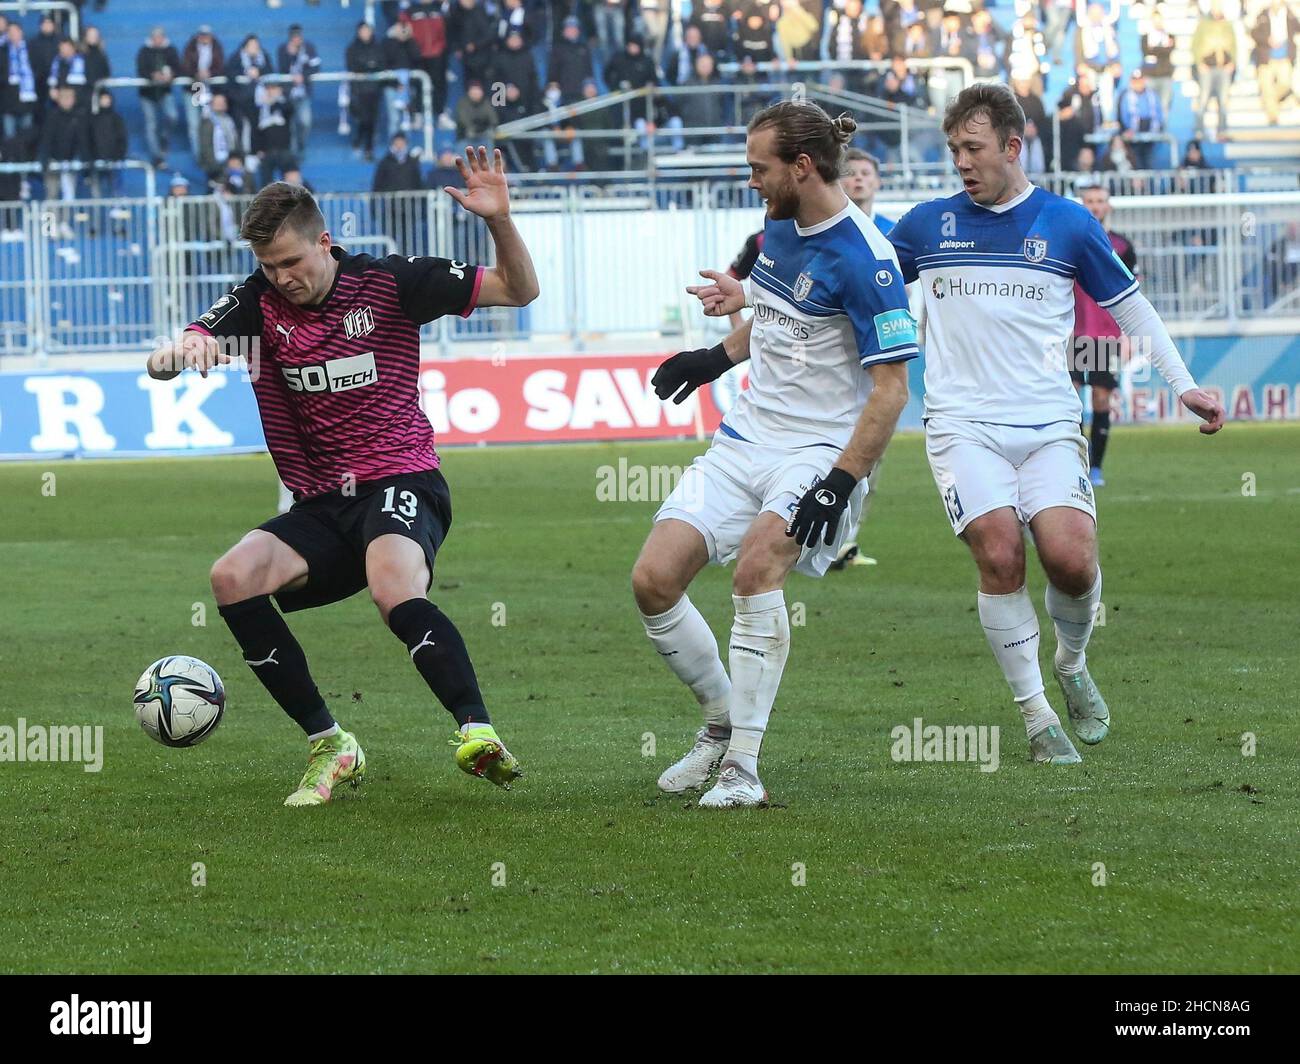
(1088, 711)
(735, 788)
(1052, 746)
(696, 767)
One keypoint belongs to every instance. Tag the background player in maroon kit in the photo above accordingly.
(1099, 343)
(334, 354)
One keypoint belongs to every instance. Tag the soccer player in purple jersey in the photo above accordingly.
(333, 341)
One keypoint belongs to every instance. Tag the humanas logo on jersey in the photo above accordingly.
(962, 286)
(765, 315)
(336, 375)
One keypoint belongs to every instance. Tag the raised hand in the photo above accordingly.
(486, 192)
(724, 296)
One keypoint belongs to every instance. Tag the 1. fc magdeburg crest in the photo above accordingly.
(1035, 249)
(802, 286)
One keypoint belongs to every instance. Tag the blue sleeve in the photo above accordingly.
(876, 303)
(903, 237)
(1101, 272)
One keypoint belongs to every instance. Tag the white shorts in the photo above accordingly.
(980, 467)
(734, 481)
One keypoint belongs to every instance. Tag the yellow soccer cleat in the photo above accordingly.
(333, 760)
(480, 752)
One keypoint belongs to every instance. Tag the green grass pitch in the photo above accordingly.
(916, 867)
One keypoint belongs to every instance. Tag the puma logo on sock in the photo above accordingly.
(426, 642)
(268, 660)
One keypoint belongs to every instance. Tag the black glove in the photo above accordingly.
(819, 511)
(687, 370)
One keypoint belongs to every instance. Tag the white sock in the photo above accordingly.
(685, 642)
(1011, 626)
(333, 730)
(1073, 618)
(760, 644)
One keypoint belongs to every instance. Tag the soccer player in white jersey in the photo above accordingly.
(997, 265)
(786, 472)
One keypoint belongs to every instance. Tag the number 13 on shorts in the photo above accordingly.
(406, 502)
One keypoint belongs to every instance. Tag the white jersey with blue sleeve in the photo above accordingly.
(829, 301)
(998, 284)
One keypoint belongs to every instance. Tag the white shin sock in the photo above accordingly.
(1073, 618)
(1011, 626)
(760, 644)
(686, 643)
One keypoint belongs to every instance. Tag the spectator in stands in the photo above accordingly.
(13, 149)
(444, 173)
(514, 65)
(987, 46)
(298, 58)
(476, 118)
(1140, 114)
(611, 25)
(751, 102)
(1085, 162)
(630, 69)
(514, 17)
(42, 49)
(952, 36)
(799, 29)
(570, 61)
(364, 55)
(679, 64)
(218, 137)
(401, 54)
(108, 144)
(597, 152)
(1158, 60)
(918, 44)
(92, 50)
(715, 29)
(1194, 157)
(293, 176)
(552, 103)
(652, 26)
(1033, 156)
(1055, 17)
(1274, 35)
(844, 33)
(521, 154)
(273, 134)
(1032, 104)
(1080, 114)
(1027, 52)
(1119, 157)
(158, 64)
(708, 105)
(68, 71)
(1214, 50)
(399, 170)
(202, 60)
(899, 16)
(65, 138)
(237, 181)
(471, 34)
(250, 62)
(429, 32)
(178, 186)
(1097, 47)
(755, 34)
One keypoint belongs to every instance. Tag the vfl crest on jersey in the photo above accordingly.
(1035, 249)
(358, 322)
(802, 286)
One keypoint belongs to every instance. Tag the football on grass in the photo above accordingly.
(179, 700)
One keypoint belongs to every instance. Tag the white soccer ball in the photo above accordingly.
(179, 700)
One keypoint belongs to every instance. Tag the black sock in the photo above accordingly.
(276, 659)
(438, 651)
(1100, 434)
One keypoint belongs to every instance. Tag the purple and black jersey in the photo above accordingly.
(338, 381)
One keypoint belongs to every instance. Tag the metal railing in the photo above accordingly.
(91, 276)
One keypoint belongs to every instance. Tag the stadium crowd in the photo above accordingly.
(490, 62)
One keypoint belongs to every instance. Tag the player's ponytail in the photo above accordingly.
(803, 128)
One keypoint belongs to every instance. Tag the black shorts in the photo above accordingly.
(1096, 361)
(332, 532)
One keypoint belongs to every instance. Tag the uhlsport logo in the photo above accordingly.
(803, 285)
(884, 278)
(1035, 249)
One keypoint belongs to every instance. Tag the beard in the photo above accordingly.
(783, 204)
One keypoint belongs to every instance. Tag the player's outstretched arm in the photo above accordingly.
(818, 514)
(1138, 319)
(687, 370)
(512, 282)
(194, 350)
(725, 295)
